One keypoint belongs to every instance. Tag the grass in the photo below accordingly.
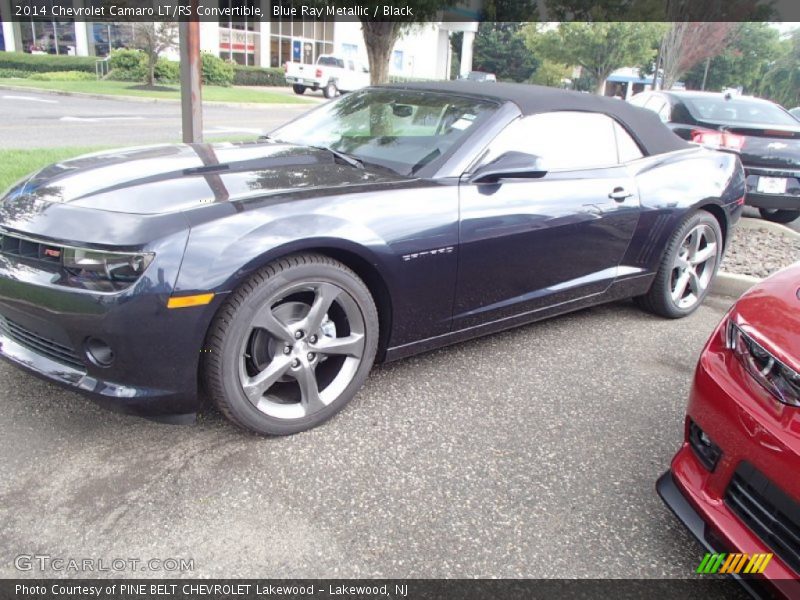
(15, 164)
(123, 88)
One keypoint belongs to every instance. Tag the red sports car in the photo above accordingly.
(735, 482)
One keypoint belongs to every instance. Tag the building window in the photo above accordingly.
(239, 38)
(106, 37)
(299, 41)
(48, 37)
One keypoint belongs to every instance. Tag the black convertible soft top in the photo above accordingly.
(644, 125)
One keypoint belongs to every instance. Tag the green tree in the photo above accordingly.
(153, 39)
(499, 48)
(753, 50)
(599, 48)
(380, 36)
(550, 74)
(781, 83)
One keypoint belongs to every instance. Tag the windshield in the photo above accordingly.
(736, 111)
(399, 129)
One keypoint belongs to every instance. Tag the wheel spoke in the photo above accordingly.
(255, 386)
(680, 285)
(696, 283)
(326, 293)
(309, 390)
(681, 263)
(703, 255)
(265, 319)
(351, 345)
(695, 239)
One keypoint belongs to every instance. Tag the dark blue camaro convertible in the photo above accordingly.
(389, 222)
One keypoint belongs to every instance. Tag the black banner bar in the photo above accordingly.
(402, 10)
(708, 588)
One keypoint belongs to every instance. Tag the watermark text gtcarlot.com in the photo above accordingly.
(45, 563)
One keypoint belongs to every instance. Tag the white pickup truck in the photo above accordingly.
(331, 74)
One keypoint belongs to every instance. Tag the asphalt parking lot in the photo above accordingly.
(531, 453)
(32, 119)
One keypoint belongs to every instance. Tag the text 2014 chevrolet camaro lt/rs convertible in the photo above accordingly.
(392, 221)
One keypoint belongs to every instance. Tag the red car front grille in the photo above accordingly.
(768, 511)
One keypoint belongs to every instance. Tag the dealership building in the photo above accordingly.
(422, 52)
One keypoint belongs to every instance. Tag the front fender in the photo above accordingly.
(220, 256)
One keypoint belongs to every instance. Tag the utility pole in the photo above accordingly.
(191, 73)
(705, 74)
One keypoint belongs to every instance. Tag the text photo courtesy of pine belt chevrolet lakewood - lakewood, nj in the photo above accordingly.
(452, 299)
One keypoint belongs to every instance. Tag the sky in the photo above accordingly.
(785, 27)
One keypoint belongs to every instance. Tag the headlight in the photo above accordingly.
(779, 380)
(104, 271)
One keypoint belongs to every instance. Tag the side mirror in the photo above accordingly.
(509, 165)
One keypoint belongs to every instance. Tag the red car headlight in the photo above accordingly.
(778, 379)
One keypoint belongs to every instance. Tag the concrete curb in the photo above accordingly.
(144, 100)
(732, 284)
(755, 223)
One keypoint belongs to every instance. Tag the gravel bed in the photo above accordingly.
(759, 252)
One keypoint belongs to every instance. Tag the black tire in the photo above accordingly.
(658, 300)
(233, 326)
(330, 90)
(299, 89)
(779, 215)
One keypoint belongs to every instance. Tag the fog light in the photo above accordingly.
(704, 447)
(99, 352)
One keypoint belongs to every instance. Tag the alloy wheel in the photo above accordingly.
(303, 348)
(694, 266)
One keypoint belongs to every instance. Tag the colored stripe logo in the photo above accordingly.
(734, 563)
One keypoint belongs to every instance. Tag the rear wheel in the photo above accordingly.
(292, 346)
(330, 90)
(779, 215)
(299, 89)
(687, 269)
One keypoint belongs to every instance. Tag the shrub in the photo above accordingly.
(258, 76)
(46, 63)
(167, 71)
(131, 65)
(124, 75)
(14, 73)
(127, 60)
(127, 65)
(216, 71)
(63, 76)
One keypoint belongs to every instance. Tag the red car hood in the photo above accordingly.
(770, 313)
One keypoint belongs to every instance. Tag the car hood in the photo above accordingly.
(171, 178)
(770, 313)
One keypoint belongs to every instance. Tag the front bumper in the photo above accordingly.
(740, 417)
(45, 327)
(142, 401)
(675, 500)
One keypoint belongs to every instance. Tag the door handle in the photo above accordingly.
(619, 194)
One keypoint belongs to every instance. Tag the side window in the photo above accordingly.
(626, 146)
(563, 140)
